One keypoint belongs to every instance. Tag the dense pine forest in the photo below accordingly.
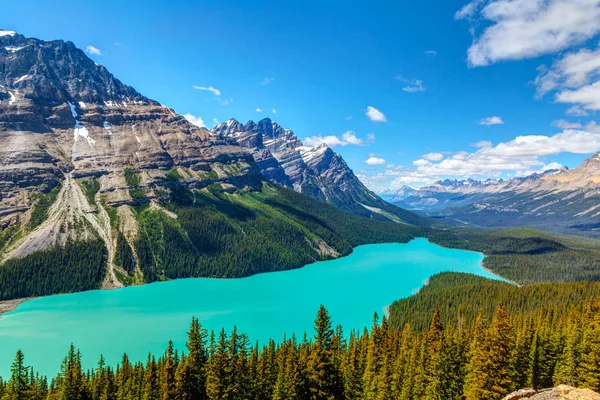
(484, 357)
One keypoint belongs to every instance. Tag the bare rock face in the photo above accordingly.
(64, 118)
(561, 392)
(316, 171)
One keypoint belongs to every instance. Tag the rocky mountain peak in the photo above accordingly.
(57, 71)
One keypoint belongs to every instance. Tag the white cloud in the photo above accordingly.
(421, 163)
(564, 124)
(274, 111)
(592, 127)
(431, 53)
(574, 70)
(216, 121)
(214, 90)
(520, 154)
(518, 29)
(468, 10)
(371, 138)
(588, 96)
(198, 121)
(350, 138)
(493, 120)
(93, 50)
(577, 111)
(258, 110)
(348, 118)
(375, 161)
(414, 85)
(267, 80)
(433, 156)
(575, 79)
(347, 138)
(375, 115)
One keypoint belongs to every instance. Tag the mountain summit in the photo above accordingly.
(316, 171)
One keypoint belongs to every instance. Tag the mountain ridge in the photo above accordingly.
(560, 200)
(316, 171)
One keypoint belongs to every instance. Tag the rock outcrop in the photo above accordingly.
(561, 392)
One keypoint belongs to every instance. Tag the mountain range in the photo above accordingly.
(102, 186)
(560, 200)
(315, 171)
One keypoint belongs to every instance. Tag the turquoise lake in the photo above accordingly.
(142, 319)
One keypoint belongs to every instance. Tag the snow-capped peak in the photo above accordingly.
(7, 33)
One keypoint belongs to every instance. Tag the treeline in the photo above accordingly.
(526, 256)
(74, 267)
(477, 361)
(462, 297)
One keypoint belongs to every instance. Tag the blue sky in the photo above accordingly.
(407, 92)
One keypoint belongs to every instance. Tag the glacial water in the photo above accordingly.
(142, 319)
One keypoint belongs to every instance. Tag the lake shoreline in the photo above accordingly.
(7, 306)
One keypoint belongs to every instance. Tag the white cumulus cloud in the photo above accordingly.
(194, 120)
(258, 110)
(347, 138)
(519, 29)
(564, 124)
(493, 120)
(93, 50)
(375, 115)
(375, 161)
(433, 156)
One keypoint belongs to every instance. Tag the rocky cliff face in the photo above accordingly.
(316, 171)
(65, 119)
(560, 200)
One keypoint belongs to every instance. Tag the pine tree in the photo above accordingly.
(434, 367)
(168, 373)
(151, 389)
(323, 375)
(568, 364)
(589, 371)
(217, 377)
(19, 385)
(490, 376)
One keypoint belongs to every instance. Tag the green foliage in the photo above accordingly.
(90, 188)
(75, 267)
(235, 235)
(137, 194)
(123, 253)
(40, 210)
(173, 175)
(527, 256)
(461, 297)
(132, 177)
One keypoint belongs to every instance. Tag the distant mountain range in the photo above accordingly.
(562, 200)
